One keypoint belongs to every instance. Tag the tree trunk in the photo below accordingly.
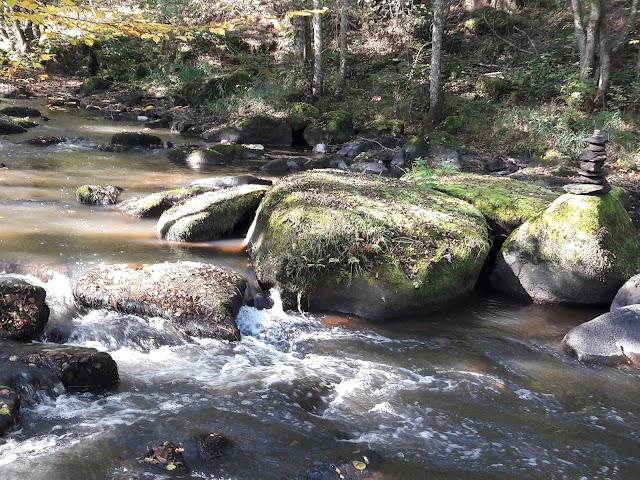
(318, 71)
(435, 79)
(587, 36)
(604, 76)
(299, 33)
(344, 27)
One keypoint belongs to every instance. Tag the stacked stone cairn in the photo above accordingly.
(591, 177)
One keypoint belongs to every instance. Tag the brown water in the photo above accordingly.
(479, 391)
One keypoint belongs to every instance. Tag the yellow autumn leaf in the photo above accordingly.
(147, 108)
(11, 3)
(155, 38)
(277, 25)
(46, 56)
(217, 31)
(42, 77)
(89, 42)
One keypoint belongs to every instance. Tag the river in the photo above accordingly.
(479, 391)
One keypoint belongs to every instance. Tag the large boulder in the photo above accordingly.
(372, 246)
(580, 251)
(199, 298)
(17, 111)
(23, 311)
(210, 215)
(231, 181)
(267, 131)
(76, 367)
(610, 339)
(505, 203)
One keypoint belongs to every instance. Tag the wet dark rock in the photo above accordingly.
(416, 147)
(200, 299)
(136, 139)
(9, 409)
(23, 310)
(398, 158)
(267, 131)
(45, 141)
(287, 164)
(494, 164)
(440, 157)
(167, 457)
(610, 339)
(210, 215)
(629, 294)
(20, 112)
(98, 195)
(375, 168)
(76, 367)
(212, 446)
(364, 464)
(9, 128)
(33, 383)
(355, 147)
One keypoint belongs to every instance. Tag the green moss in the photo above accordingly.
(381, 125)
(83, 193)
(338, 121)
(491, 87)
(325, 226)
(305, 109)
(444, 139)
(505, 202)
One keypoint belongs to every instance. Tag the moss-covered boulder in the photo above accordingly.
(152, 206)
(231, 181)
(23, 310)
(210, 215)
(97, 194)
(505, 203)
(580, 250)
(136, 139)
(610, 339)
(199, 298)
(373, 246)
(331, 128)
(301, 115)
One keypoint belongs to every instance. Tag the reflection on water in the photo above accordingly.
(479, 391)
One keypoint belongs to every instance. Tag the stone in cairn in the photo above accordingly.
(591, 177)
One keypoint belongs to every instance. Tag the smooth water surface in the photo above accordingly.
(480, 391)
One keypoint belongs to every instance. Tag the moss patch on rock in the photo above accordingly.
(368, 245)
(505, 203)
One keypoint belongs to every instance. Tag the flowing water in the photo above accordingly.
(478, 391)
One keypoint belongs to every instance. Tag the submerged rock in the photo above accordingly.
(376, 247)
(9, 409)
(76, 367)
(212, 446)
(231, 181)
(200, 299)
(23, 310)
(45, 141)
(98, 195)
(210, 215)
(610, 339)
(223, 154)
(580, 250)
